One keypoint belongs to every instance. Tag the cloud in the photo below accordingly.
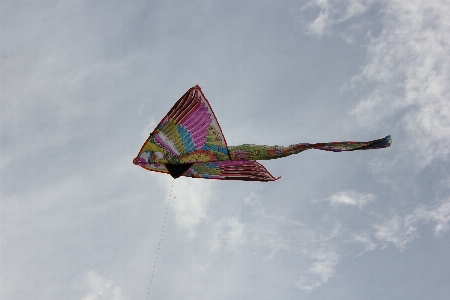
(149, 128)
(227, 234)
(319, 247)
(327, 247)
(332, 13)
(307, 284)
(440, 215)
(400, 230)
(321, 270)
(319, 25)
(396, 230)
(351, 198)
(409, 67)
(266, 233)
(101, 288)
(366, 240)
(324, 267)
(191, 203)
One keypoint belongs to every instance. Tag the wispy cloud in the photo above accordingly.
(409, 65)
(332, 13)
(401, 230)
(101, 288)
(279, 233)
(439, 214)
(323, 268)
(366, 240)
(191, 203)
(396, 230)
(227, 234)
(351, 198)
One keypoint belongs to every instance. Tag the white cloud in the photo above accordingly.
(279, 233)
(255, 203)
(409, 63)
(228, 234)
(101, 288)
(440, 215)
(321, 270)
(332, 13)
(149, 128)
(324, 267)
(319, 25)
(400, 230)
(266, 234)
(307, 284)
(325, 250)
(366, 240)
(395, 230)
(190, 203)
(351, 198)
(268, 237)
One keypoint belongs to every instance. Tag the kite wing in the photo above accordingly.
(226, 170)
(189, 133)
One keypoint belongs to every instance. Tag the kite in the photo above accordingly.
(189, 142)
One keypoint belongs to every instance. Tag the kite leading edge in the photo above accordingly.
(189, 142)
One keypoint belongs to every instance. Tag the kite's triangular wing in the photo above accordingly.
(189, 133)
(249, 170)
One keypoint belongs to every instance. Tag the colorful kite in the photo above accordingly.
(189, 142)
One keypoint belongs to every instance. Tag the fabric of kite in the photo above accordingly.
(189, 142)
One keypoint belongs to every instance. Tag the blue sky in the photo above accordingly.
(83, 83)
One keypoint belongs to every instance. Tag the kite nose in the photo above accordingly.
(139, 161)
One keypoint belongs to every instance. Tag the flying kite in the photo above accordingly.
(189, 142)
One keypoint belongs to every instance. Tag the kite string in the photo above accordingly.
(160, 238)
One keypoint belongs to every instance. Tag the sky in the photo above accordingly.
(83, 83)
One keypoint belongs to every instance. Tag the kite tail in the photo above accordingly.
(352, 146)
(263, 152)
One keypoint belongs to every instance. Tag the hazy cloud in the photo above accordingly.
(366, 240)
(411, 54)
(191, 202)
(227, 235)
(332, 13)
(101, 288)
(400, 230)
(396, 230)
(351, 198)
(439, 214)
